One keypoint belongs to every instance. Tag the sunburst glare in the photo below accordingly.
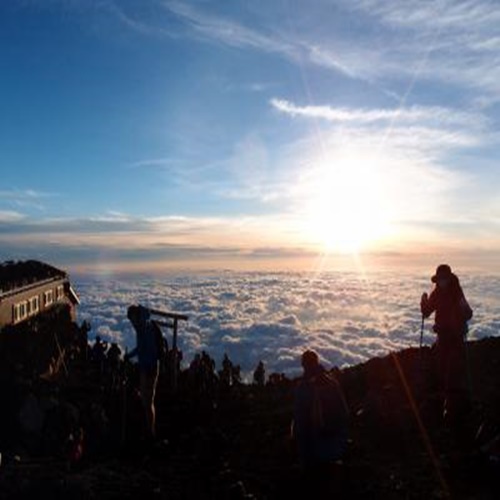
(347, 209)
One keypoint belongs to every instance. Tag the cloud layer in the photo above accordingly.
(347, 317)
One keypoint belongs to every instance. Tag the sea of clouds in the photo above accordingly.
(346, 317)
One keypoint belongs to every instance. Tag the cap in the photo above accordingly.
(309, 359)
(138, 311)
(443, 271)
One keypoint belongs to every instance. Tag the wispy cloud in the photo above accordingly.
(228, 31)
(127, 243)
(171, 164)
(24, 194)
(460, 15)
(418, 129)
(8, 216)
(454, 42)
(459, 38)
(446, 41)
(117, 229)
(339, 59)
(135, 23)
(24, 198)
(412, 114)
(235, 34)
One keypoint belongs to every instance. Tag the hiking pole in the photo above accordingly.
(467, 363)
(422, 333)
(421, 343)
(124, 381)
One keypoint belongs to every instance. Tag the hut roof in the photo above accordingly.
(18, 274)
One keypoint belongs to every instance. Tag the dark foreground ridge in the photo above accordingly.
(235, 443)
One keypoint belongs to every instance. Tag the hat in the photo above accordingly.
(137, 312)
(443, 271)
(309, 359)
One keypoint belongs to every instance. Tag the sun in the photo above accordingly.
(346, 209)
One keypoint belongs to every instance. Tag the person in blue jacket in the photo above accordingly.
(148, 352)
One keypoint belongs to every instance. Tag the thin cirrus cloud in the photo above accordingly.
(414, 128)
(227, 31)
(28, 198)
(16, 205)
(454, 41)
(447, 41)
(412, 114)
(10, 216)
(459, 15)
(235, 34)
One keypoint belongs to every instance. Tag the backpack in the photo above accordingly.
(329, 409)
(161, 344)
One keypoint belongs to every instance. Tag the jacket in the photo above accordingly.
(451, 308)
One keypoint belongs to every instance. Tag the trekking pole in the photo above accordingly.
(421, 343)
(124, 380)
(422, 332)
(467, 363)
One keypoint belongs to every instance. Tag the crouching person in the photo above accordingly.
(320, 425)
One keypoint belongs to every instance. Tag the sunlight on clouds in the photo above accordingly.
(347, 318)
(381, 178)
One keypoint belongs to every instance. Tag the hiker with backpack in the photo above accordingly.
(452, 311)
(320, 425)
(149, 352)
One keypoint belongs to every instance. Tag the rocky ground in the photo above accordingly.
(237, 445)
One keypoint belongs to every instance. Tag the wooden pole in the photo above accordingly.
(175, 357)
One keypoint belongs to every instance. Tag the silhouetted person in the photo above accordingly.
(148, 352)
(225, 374)
(320, 424)
(452, 312)
(83, 343)
(113, 364)
(114, 354)
(259, 375)
(195, 374)
(99, 353)
(236, 375)
(208, 376)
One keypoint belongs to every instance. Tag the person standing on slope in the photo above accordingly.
(149, 354)
(452, 311)
(320, 425)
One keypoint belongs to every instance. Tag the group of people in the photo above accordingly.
(321, 414)
(201, 378)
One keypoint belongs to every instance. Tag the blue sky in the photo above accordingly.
(220, 133)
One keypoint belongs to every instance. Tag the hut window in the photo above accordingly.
(34, 305)
(48, 297)
(20, 311)
(59, 292)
